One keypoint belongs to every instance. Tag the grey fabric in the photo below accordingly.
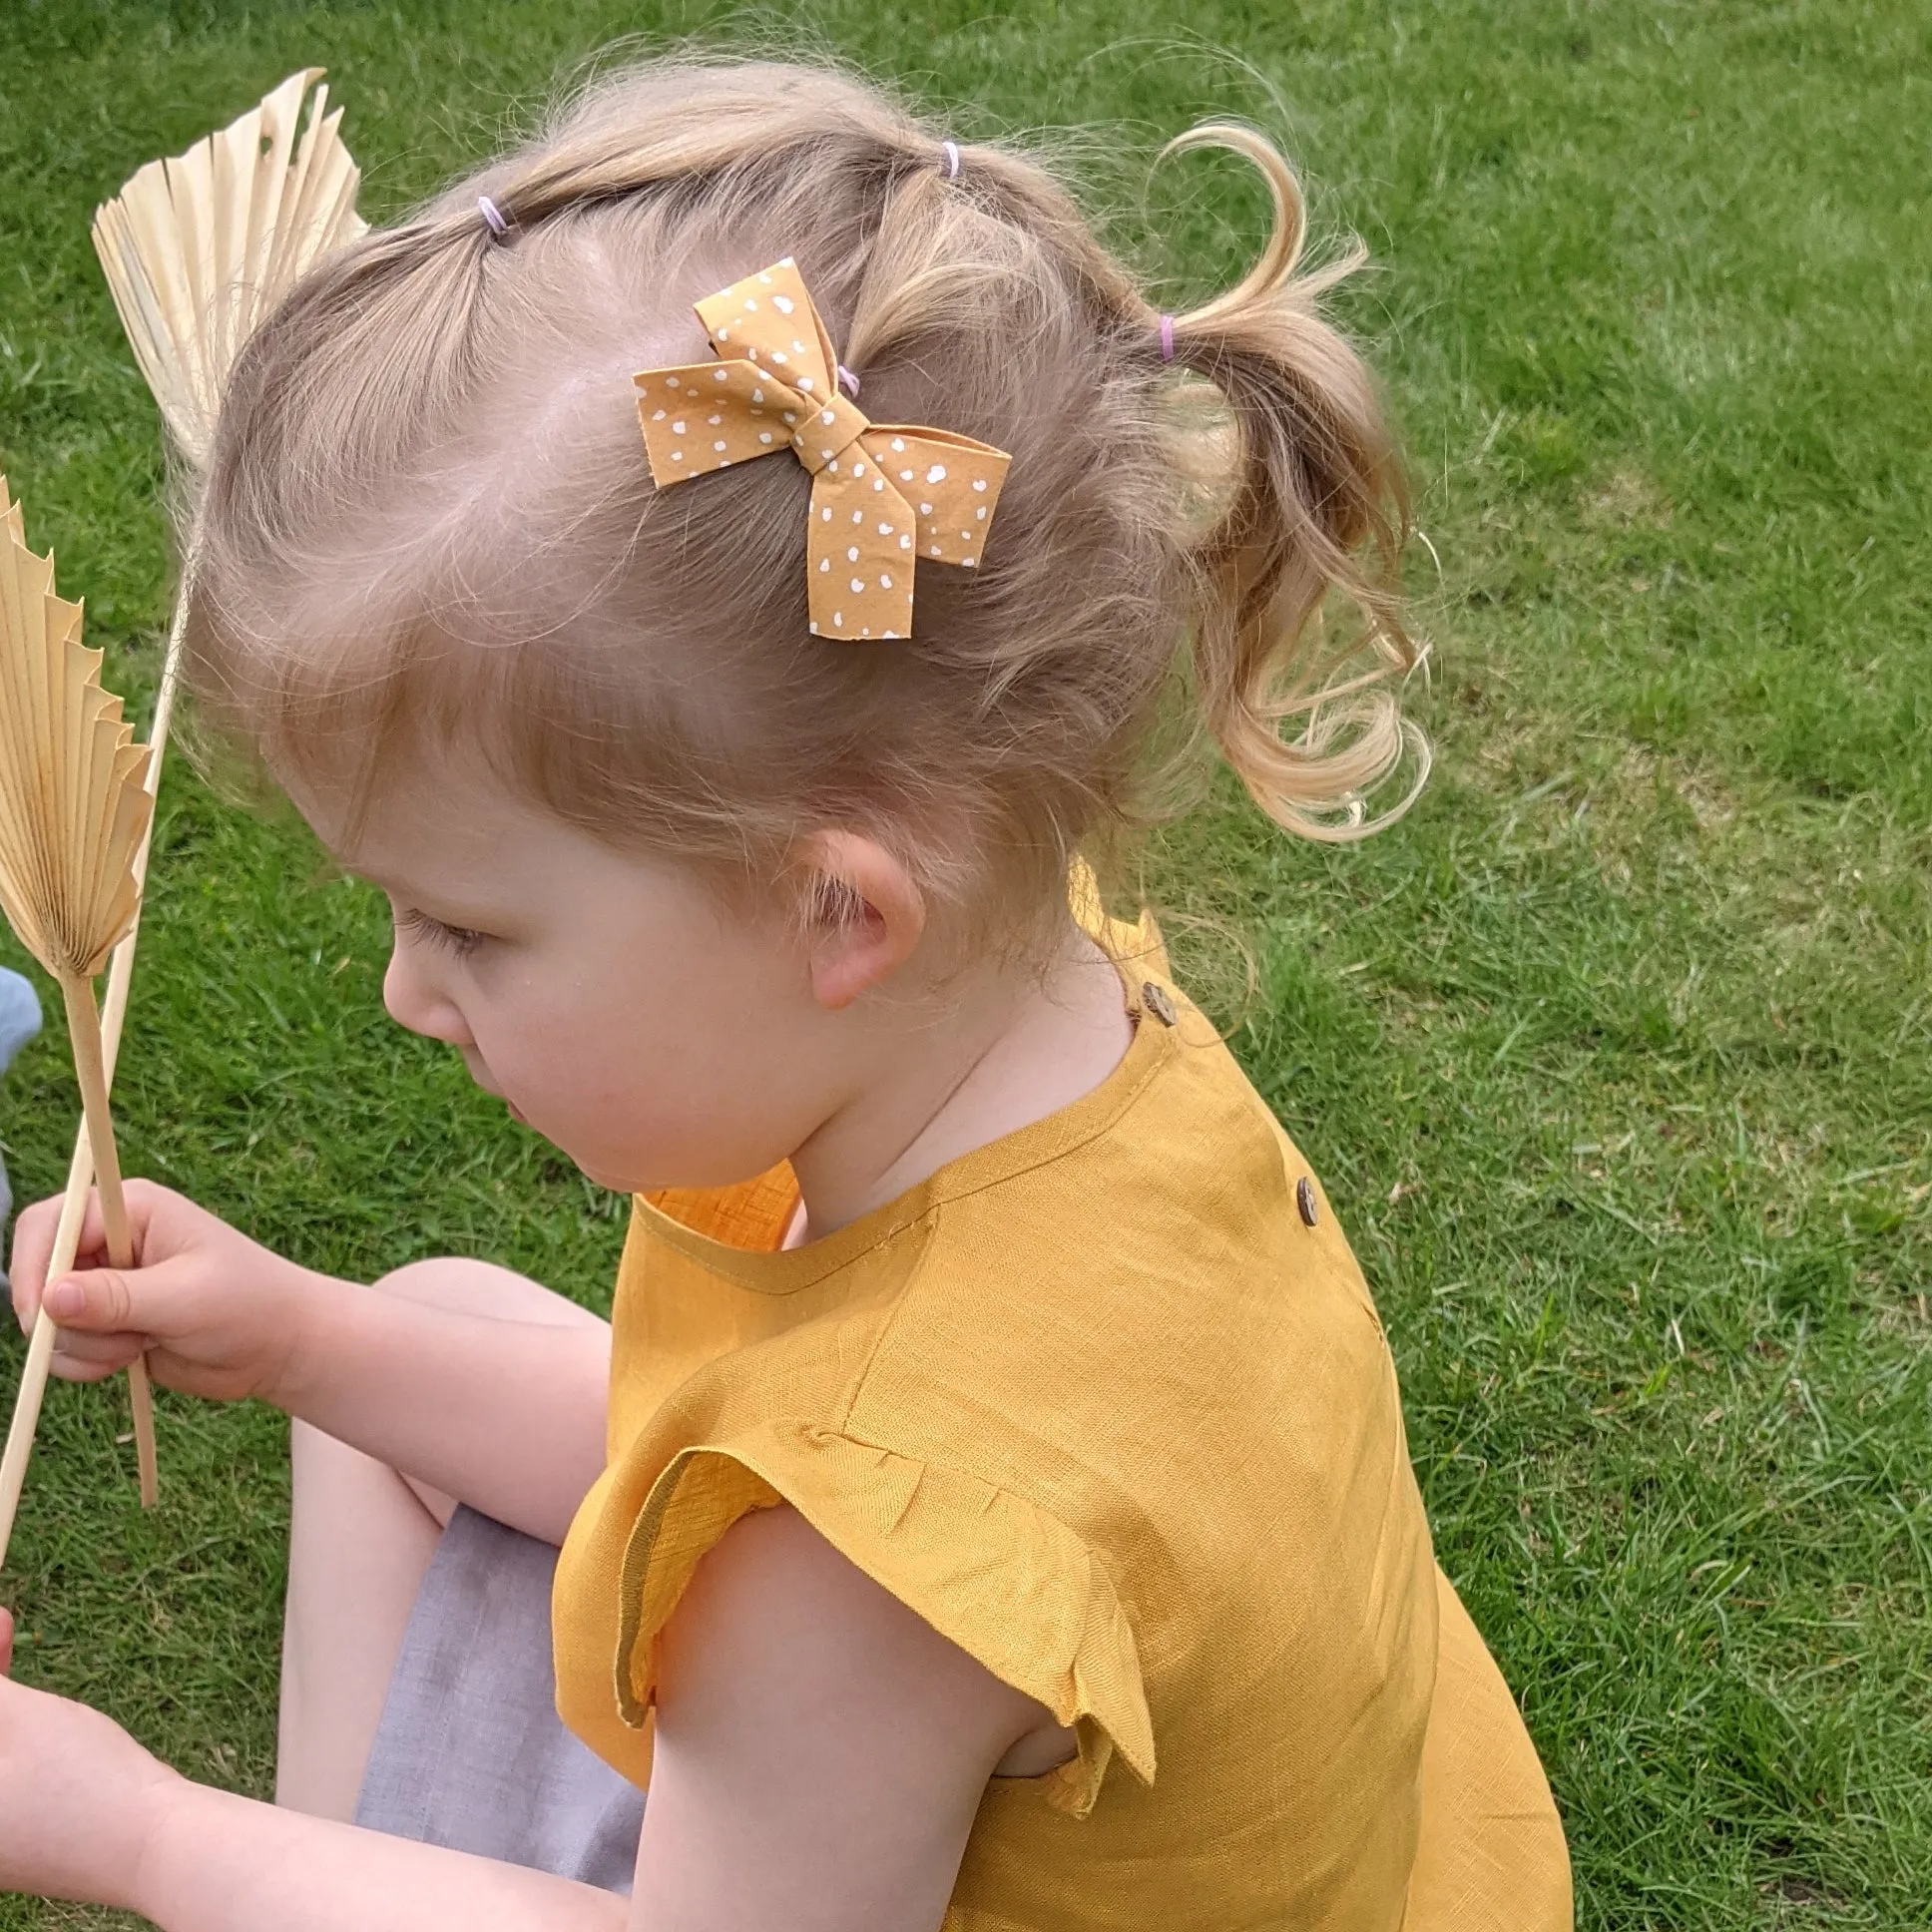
(470, 1753)
(19, 1014)
(19, 1022)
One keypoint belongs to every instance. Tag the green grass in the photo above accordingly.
(1614, 1053)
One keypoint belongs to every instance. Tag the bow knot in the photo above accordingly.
(884, 496)
(828, 431)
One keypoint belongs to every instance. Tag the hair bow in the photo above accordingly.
(884, 495)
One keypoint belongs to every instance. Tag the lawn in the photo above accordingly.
(1614, 1053)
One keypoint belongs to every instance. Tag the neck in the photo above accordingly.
(1002, 1050)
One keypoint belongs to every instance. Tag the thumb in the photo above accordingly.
(104, 1300)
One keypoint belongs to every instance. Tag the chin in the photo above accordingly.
(618, 1180)
(617, 1183)
(628, 1171)
(606, 1166)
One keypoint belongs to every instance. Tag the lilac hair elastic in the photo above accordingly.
(1167, 339)
(952, 159)
(849, 382)
(494, 215)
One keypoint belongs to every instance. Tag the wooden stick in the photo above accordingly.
(80, 1170)
(40, 1349)
(89, 1067)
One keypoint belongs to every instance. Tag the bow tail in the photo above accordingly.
(859, 555)
(709, 416)
(953, 482)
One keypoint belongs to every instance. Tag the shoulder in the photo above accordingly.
(1184, 1229)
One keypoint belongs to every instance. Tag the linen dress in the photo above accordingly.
(1108, 1403)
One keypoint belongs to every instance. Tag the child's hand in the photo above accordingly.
(217, 1312)
(79, 1797)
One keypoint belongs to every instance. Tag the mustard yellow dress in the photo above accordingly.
(1107, 1403)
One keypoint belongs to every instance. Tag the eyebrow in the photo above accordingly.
(463, 909)
(403, 893)
(395, 888)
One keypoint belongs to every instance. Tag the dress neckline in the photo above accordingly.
(1149, 1003)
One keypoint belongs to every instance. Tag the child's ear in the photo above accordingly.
(865, 913)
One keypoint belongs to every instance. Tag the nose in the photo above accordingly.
(415, 1002)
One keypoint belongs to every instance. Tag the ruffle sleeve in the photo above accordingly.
(1000, 1577)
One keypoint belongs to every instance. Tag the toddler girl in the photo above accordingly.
(717, 571)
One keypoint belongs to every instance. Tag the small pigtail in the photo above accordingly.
(1311, 503)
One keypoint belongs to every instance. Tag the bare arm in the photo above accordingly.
(219, 1863)
(821, 1753)
(505, 1414)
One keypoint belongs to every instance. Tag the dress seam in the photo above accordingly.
(862, 1375)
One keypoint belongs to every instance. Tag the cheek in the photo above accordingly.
(655, 1085)
(570, 1068)
(647, 1071)
(534, 1045)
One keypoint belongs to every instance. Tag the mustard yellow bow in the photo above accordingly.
(884, 495)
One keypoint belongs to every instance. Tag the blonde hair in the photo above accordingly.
(428, 518)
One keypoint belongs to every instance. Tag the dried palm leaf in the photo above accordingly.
(198, 248)
(74, 815)
(72, 804)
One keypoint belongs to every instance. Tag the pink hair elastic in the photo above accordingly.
(494, 215)
(1167, 339)
(952, 159)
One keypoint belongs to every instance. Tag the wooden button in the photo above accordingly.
(1155, 999)
(1304, 1200)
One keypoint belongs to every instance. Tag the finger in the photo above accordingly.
(140, 1199)
(164, 1299)
(97, 1300)
(6, 1643)
(34, 1247)
(33, 1243)
(83, 1374)
(108, 1353)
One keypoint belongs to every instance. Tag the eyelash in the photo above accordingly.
(460, 940)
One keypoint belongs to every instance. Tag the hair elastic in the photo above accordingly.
(952, 159)
(499, 223)
(849, 382)
(1167, 339)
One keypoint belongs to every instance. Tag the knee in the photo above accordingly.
(482, 1288)
(332, 1482)
(444, 1278)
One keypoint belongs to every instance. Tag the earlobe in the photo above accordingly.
(868, 925)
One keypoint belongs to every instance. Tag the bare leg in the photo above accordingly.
(362, 1538)
(359, 1544)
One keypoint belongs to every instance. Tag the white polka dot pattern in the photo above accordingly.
(706, 416)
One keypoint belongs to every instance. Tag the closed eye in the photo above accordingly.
(460, 940)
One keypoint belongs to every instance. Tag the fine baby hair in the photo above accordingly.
(429, 521)
(993, 1428)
